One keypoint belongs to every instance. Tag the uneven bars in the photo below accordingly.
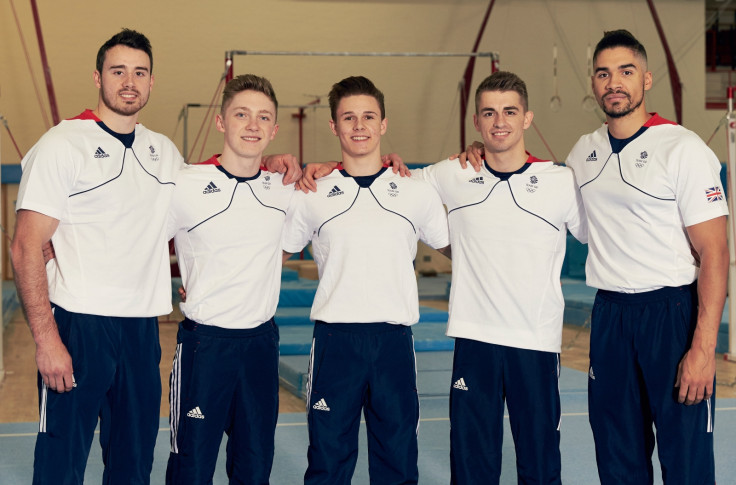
(362, 54)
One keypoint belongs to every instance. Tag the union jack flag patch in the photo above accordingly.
(713, 194)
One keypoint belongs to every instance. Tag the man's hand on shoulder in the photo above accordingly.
(473, 155)
(396, 163)
(312, 172)
(284, 163)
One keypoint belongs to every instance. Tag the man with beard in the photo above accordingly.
(659, 257)
(98, 186)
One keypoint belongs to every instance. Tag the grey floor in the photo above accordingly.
(578, 459)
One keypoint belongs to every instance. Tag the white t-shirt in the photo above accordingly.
(640, 201)
(227, 231)
(111, 202)
(508, 234)
(364, 240)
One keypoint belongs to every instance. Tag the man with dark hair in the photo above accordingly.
(659, 257)
(364, 222)
(354, 86)
(98, 186)
(128, 38)
(226, 218)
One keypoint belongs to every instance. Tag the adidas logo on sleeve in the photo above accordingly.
(592, 157)
(100, 153)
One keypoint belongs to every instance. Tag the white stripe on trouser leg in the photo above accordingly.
(44, 398)
(309, 374)
(559, 423)
(709, 427)
(174, 399)
(419, 406)
(42, 408)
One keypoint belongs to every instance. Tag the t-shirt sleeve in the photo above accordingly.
(49, 172)
(172, 222)
(297, 232)
(695, 173)
(577, 220)
(435, 173)
(434, 230)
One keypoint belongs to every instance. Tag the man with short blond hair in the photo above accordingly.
(227, 217)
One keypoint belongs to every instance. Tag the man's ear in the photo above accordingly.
(528, 117)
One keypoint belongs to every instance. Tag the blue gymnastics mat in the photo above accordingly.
(578, 454)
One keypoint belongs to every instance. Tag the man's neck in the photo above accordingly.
(627, 126)
(507, 162)
(116, 122)
(239, 166)
(359, 166)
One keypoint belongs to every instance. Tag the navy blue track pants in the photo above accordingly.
(636, 343)
(116, 370)
(485, 375)
(223, 381)
(367, 367)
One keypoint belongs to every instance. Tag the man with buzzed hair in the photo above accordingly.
(659, 257)
(226, 218)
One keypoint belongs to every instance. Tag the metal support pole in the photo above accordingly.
(731, 174)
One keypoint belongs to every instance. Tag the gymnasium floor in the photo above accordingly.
(18, 402)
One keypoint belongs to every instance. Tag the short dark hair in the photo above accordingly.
(129, 38)
(620, 38)
(503, 81)
(247, 82)
(353, 86)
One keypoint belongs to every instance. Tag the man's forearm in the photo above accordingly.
(712, 282)
(32, 285)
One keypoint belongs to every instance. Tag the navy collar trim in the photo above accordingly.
(364, 181)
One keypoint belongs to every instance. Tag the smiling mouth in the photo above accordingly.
(501, 133)
(251, 138)
(359, 138)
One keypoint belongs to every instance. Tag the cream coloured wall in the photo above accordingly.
(190, 38)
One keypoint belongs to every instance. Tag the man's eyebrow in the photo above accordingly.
(505, 108)
(622, 66)
(123, 66)
(353, 112)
